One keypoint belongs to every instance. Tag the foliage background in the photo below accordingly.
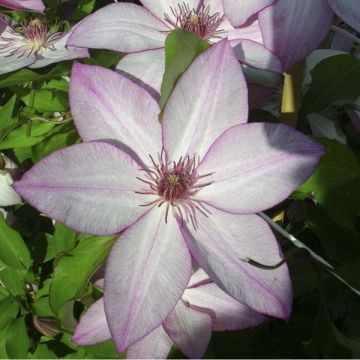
(46, 268)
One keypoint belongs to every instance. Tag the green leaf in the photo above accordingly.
(43, 352)
(46, 100)
(181, 48)
(23, 75)
(350, 272)
(341, 244)
(13, 251)
(18, 138)
(337, 167)
(333, 79)
(13, 279)
(65, 238)
(17, 339)
(8, 310)
(105, 350)
(85, 7)
(41, 307)
(74, 270)
(104, 58)
(7, 114)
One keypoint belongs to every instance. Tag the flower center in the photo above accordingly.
(199, 22)
(175, 184)
(30, 38)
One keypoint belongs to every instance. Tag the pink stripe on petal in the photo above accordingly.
(147, 271)
(89, 187)
(256, 166)
(222, 242)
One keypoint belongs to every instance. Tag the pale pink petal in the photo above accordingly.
(256, 166)
(199, 277)
(221, 244)
(348, 10)
(189, 329)
(156, 345)
(147, 271)
(121, 27)
(293, 29)
(146, 68)
(29, 5)
(92, 328)
(89, 187)
(161, 7)
(257, 55)
(251, 31)
(8, 195)
(61, 53)
(107, 105)
(210, 97)
(239, 11)
(229, 314)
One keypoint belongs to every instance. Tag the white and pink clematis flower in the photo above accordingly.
(203, 308)
(27, 5)
(32, 45)
(8, 172)
(188, 187)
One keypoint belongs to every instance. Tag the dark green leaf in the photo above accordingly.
(333, 79)
(13, 251)
(74, 270)
(13, 279)
(8, 310)
(7, 114)
(181, 48)
(17, 339)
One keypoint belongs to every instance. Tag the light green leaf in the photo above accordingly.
(8, 310)
(65, 238)
(47, 100)
(17, 339)
(7, 113)
(181, 48)
(73, 271)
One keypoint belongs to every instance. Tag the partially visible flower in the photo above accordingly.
(8, 172)
(33, 45)
(131, 28)
(348, 10)
(27, 5)
(355, 118)
(203, 308)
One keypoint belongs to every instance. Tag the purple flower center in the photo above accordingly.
(199, 22)
(175, 184)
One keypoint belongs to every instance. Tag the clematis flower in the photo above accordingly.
(33, 45)
(131, 28)
(28, 5)
(188, 187)
(8, 172)
(203, 307)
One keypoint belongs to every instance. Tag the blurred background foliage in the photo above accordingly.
(47, 271)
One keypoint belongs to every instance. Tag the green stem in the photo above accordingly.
(31, 104)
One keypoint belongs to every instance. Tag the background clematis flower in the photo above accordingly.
(8, 172)
(32, 45)
(28, 5)
(203, 307)
(189, 187)
(131, 28)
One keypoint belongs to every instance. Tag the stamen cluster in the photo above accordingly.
(199, 22)
(31, 38)
(175, 184)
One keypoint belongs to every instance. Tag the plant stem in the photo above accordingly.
(31, 104)
(291, 93)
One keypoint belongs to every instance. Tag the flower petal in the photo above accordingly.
(145, 68)
(8, 195)
(29, 5)
(107, 105)
(156, 345)
(229, 314)
(221, 244)
(189, 329)
(92, 328)
(257, 166)
(199, 277)
(293, 29)
(210, 97)
(121, 27)
(89, 187)
(348, 10)
(239, 11)
(146, 274)
(161, 7)
(62, 52)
